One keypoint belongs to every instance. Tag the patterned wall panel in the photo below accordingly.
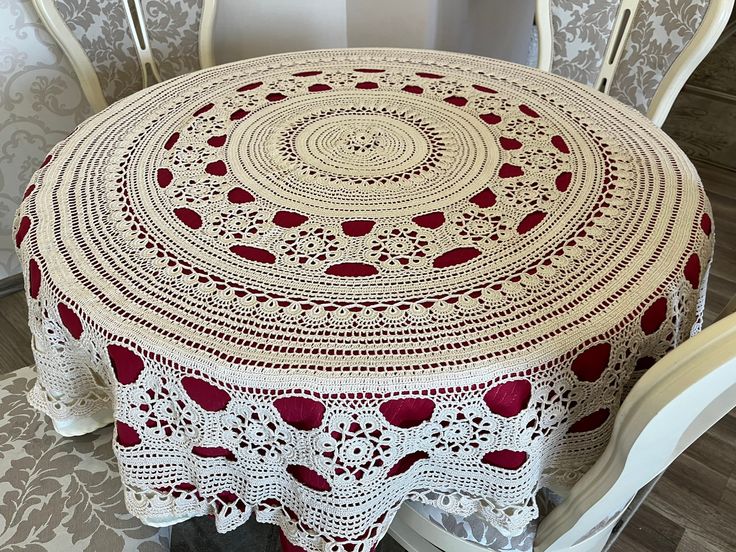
(40, 103)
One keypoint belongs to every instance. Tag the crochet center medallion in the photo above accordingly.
(381, 198)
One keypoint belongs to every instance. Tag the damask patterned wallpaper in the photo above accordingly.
(40, 103)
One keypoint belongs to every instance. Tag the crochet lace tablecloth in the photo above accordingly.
(312, 286)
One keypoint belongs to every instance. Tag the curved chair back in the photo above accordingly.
(673, 404)
(118, 47)
(639, 51)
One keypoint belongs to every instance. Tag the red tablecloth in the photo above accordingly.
(315, 285)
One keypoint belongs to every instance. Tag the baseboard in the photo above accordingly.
(11, 284)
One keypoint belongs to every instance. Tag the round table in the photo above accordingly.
(313, 286)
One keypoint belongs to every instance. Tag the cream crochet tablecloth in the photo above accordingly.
(315, 285)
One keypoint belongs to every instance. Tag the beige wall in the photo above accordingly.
(254, 28)
(402, 24)
(495, 28)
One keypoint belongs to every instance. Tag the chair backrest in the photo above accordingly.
(639, 51)
(672, 405)
(118, 47)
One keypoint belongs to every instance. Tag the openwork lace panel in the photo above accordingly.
(313, 286)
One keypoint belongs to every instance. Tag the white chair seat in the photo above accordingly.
(478, 530)
(58, 493)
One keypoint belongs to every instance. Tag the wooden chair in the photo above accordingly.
(118, 47)
(639, 51)
(672, 405)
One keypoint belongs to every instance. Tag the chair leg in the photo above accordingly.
(595, 544)
(636, 503)
(409, 539)
(730, 308)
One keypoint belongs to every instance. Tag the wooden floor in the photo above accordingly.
(692, 508)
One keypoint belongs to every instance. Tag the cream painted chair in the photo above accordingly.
(118, 47)
(639, 51)
(673, 404)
